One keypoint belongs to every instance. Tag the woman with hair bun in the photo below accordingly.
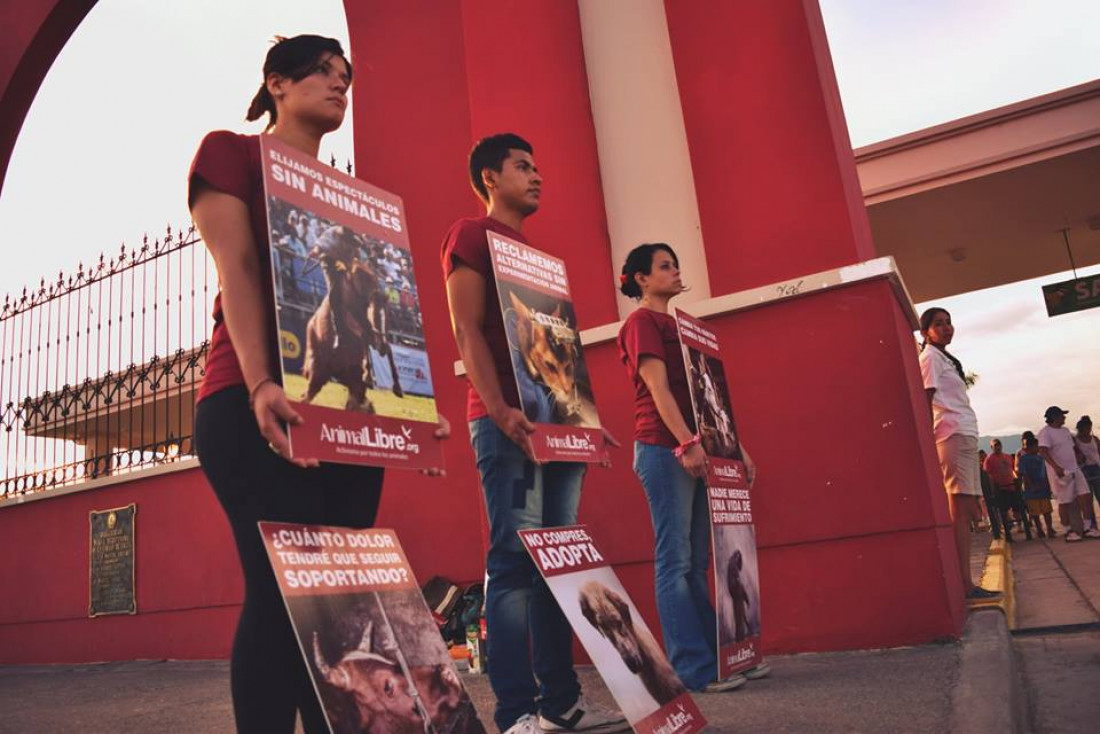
(955, 428)
(239, 434)
(670, 462)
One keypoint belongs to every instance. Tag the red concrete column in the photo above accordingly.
(851, 513)
(432, 76)
(774, 171)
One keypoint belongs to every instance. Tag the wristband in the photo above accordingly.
(686, 446)
(255, 389)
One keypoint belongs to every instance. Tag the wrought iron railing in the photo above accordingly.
(98, 370)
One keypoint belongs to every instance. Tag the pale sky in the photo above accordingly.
(103, 152)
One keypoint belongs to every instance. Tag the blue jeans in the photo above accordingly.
(681, 522)
(528, 636)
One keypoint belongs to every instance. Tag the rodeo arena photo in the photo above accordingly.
(549, 367)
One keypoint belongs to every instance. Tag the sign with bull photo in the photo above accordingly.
(736, 575)
(370, 643)
(351, 338)
(624, 651)
(555, 390)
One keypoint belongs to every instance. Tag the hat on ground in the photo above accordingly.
(1053, 412)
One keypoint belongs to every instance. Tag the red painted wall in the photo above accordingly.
(852, 524)
(187, 580)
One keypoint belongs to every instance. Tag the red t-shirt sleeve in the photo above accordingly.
(642, 336)
(221, 162)
(467, 244)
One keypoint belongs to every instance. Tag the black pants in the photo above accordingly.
(269, 679)
(1010, 499)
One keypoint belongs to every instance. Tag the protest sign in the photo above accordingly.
(351, 340)
(373, 650)
(622, 648)
(736, 575)
(555, 390)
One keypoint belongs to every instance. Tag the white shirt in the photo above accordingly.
(1089, 449)
(951, 411)
(1059, 442)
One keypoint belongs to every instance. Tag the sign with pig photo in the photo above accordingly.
(374, 653)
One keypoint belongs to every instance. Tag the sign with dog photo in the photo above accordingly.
(351, 339)
(370, 643)
(555, 390)
(621, 646)
(736, 575)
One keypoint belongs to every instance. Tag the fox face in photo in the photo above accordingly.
(550, 358)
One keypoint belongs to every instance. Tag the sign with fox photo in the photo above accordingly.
(353, 355)
(736, 574)
(372, 648)
(616, 638)
(555, 389)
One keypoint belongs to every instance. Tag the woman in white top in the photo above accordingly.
(955, 427)
(1089, 446)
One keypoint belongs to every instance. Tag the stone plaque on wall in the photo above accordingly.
(112, 562)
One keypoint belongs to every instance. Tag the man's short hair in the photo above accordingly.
(1029, 442)
(491, 153)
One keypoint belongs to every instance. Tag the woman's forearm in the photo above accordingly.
(246, 319)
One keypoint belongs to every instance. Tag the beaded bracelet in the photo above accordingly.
(686, 446)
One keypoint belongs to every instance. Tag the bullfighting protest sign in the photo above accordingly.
(622, 648)
(736, 576)
(554, 385)
(373, 651)
(351, 338)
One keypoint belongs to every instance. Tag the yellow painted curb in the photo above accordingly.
(997, 576)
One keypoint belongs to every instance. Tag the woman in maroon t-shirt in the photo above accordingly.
(239, 436)
(670, 462)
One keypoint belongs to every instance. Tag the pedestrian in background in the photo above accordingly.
(1067, 482)
(989, 495)
(1033, 473)
(1089, 447)
(1002, 471)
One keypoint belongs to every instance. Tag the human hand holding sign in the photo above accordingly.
(515, 426)
(272, 410)
(442, 431)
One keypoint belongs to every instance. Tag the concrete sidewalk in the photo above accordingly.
(889, 691)
(1057, 632)
(878, 691)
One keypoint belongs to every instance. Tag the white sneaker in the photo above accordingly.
(1092, 533)
(760, 671)
(527, 724)
(585, 717)
(725, 685)
(1072, 537)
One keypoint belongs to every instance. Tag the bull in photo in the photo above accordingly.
(351, 320)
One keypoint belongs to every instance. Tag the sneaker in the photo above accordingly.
(527, 724)
(760, 671)
(979, 593)
(1092, 533)
(584, 717)
(1072, 537)
(726, 684)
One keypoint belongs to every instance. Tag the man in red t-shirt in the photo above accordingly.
(539, 692)
(1001, 468)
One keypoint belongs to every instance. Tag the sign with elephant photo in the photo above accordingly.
(555, 389)
(616, 638)
(351, 338)
(736, 574)
(373, 650)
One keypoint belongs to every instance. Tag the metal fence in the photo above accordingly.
(98, 370)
